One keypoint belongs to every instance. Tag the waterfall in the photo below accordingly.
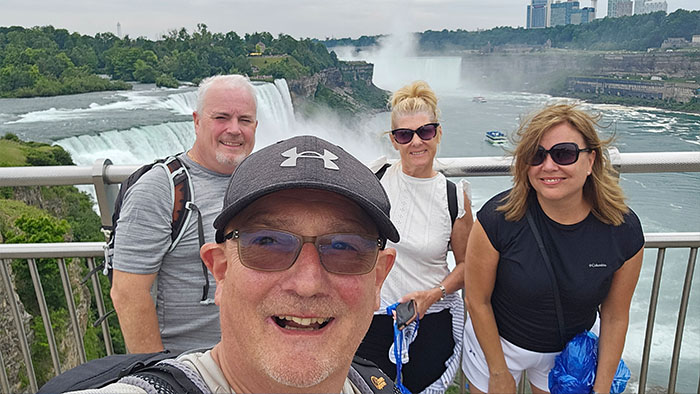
(137, 145)
(143, 144)
(182, 103)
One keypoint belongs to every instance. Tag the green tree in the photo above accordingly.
(144, 72)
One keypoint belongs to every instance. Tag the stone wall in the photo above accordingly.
(543, 71)
(681, 92)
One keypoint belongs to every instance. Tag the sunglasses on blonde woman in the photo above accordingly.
(564, 154)
(425, 132)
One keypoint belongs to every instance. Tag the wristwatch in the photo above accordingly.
(444, 292)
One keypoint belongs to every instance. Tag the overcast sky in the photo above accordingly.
(298, 18)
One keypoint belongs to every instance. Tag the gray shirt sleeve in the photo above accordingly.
(143, 233)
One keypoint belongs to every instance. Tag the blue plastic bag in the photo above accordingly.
(574, 369)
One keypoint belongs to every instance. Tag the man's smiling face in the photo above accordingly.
(297, 329)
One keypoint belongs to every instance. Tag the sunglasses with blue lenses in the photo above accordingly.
(564, 154)
(277, 250)
(425, 132)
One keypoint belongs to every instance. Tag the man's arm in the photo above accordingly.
(141, 241)
(131, 295)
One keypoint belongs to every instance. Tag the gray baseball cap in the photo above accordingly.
(306, 162)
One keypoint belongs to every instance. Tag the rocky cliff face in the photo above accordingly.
(351, 83)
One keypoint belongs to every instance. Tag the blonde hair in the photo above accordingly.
(414, 98)
(601, 188)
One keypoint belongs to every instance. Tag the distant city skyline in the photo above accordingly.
(300, 19)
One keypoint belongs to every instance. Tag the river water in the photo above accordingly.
(137, 126)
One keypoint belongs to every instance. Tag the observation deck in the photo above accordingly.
(106, 177)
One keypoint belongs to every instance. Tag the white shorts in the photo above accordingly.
(537, 365)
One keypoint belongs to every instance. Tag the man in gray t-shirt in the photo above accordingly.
(225, 122)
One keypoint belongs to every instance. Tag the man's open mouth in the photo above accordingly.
(302, 323)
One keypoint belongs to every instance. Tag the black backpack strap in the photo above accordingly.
(382, 170)
(166, 378)
(182, 195)
(101, 372)
(367, 377)
(452, 200)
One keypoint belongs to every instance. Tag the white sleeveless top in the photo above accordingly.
(420, 212)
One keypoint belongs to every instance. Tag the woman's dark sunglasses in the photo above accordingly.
(277, 250)
(564, 153)
(425, 132)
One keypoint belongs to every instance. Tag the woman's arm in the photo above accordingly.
(614, 320)
(455, 279)
(479, 278)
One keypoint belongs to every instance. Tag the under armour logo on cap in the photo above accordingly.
(292, 156)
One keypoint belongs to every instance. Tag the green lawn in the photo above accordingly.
(11, 154)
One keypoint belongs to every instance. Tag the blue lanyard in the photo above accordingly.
(398, 349)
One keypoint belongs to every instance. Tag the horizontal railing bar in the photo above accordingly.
(96, 249)
(645, 162)
(672, 240)
(52, 250)
(60, 175)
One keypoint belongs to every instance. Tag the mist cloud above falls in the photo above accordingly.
(396, 63)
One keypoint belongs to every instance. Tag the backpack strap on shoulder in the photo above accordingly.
(380, 172)
(166, 378)
(367, 377)
(182, 193)
(452, 200)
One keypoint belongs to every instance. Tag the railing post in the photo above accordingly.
(106, 193)
(23, 345)
(44, 309)
(100, 307)
(682, 311)
(615, 159)
(653, 302)
(68, 291)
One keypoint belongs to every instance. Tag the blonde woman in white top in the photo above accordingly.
(419, 210)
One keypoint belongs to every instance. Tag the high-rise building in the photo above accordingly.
(587, 14)
(537, 14)
(548, 13)
(618, 8)
(647, 6)
(565, 13)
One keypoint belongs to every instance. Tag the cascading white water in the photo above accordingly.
(143, 144)
(137, 145)
(182, 103)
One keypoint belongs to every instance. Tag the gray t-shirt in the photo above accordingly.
(143, 238)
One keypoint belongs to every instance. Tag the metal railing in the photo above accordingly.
(105, 177)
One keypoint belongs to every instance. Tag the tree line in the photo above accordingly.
(45, 61)
(631, 33)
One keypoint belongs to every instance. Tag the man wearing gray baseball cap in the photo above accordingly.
(299, 261)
